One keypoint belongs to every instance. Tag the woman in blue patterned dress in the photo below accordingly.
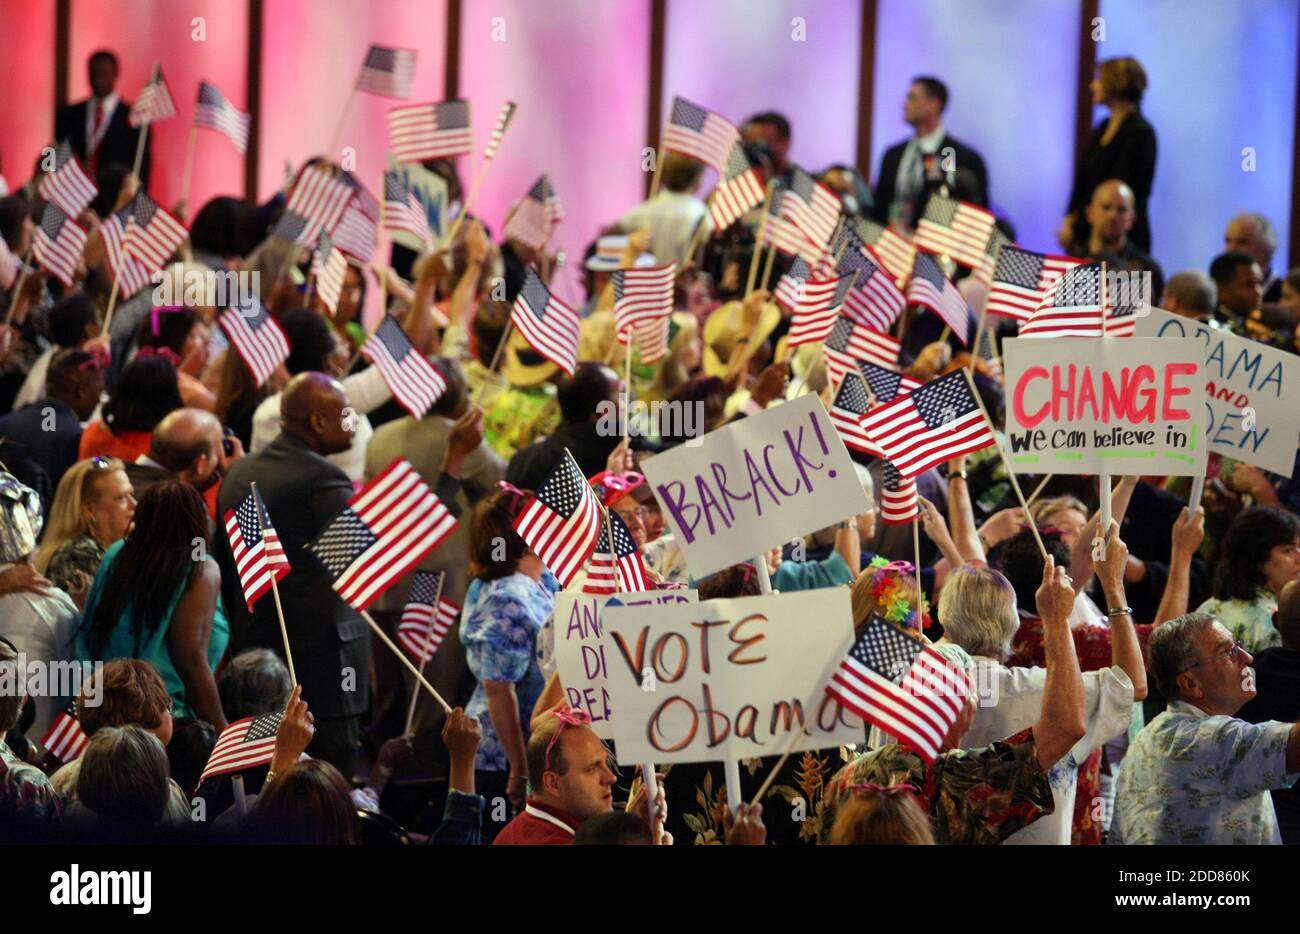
(511, 594)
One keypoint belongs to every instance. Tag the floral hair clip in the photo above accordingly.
(567, 716)
(894, 601)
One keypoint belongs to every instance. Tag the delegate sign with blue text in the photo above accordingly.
(1251, 409)
(1132, 405)
(727, 679)
(755, 484)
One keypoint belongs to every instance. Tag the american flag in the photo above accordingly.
(997, 241)
(902, 686)
(931, 424)
(9, 265)
(430, 131)
(850, 343)
(499, 131)
(739, 190)
(152, 235)
(700, 134)
(357, 232)
(549, 325)
(652, 336)
(129, 271)
(815, 302)
(986, 350)
(562, 523)
(65, 740)
(57, 244)
(256, 337)
(214, 112)
(885, 384)
(955, 229)
(317, 202)
(813, 209)
(618, 570)
(895, 253)
(898, 500)
(402, 211)
(68, 185)
(392, 523)
(411, 377)
(931, 289)
(245, 744)
(874, 299)
(154, 103)
(387, 72)
(1020, 280)
(259, 556)
(421, 630)
(1124, 297)
(645, 293)
(536, 216)
(330, 267)
(851, 403)
(1070, 306)
(782, 234)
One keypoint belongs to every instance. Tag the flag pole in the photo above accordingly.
(342, 124)
(473, 190)
(117, 277)
(189, 168)
(425, 655)
(758, 243)
(1039, 489)
(1015, 484)
(767, 266)
(627, 390)
(496, 356)
(659, 167)
(405, 661)
(275, 589)
(916, 566)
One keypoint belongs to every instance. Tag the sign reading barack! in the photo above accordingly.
(1105, 405)
(755, 484)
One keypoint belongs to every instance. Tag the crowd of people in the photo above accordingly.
(1144, 676)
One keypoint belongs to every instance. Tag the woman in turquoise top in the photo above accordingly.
(157, 597)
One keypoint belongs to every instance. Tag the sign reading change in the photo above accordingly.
(1106, 405)
(1250, 392)
(727, 679)
(755, 484)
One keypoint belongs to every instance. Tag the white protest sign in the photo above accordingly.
(430, 189)
(580, 654)
(756, 484)
(728, 679)
(1250, 392)
(1105, 405)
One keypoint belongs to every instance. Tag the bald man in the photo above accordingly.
(187, 445)
(1277, 679)
(1111, 214)
(303, 491)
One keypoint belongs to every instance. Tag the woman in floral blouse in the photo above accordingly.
(1259, 556)
(510, 596)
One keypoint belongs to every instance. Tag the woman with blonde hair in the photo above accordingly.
(91, 510)
(876, 816)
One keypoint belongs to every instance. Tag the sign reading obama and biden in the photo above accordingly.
(756, 484)
(1106, 405)
(1252, 410)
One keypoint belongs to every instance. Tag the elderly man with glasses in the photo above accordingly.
(1198, 773)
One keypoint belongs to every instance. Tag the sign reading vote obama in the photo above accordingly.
(1106, 405)
(1250, 392)
(755, 484)
(727, 679)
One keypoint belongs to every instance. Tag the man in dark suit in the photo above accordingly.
(303, 492)
(187, 445)
(97, 128)
(911, 170)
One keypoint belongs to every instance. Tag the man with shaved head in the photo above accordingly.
(1277, 679)
(1111, 214)
(303, 491)
(188, 445)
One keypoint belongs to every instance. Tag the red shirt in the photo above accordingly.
(538, 825)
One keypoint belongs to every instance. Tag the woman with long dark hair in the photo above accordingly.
(157, 597)
(182, 333)
(1258, 557)
(145, 392)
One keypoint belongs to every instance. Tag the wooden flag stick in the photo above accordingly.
(975, 347)
(767, 265)
(659, 167)
(627, 396)
(425, 655)
(342, 124)
(758, 243)
(18, 288)
(492, 367)
(795, 736)
(189, 168)
(405, 661)
(697, 238)
(1039, 489)
(916, 566)
(117, 278)
(275, 591)
(1011, 474)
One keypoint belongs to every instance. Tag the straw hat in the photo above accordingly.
(722, 330)
(522, 366)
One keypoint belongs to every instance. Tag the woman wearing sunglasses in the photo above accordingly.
(91, 511)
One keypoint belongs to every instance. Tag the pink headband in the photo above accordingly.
(862, 788)
(165, 352)
(516, 494)
(567, 717)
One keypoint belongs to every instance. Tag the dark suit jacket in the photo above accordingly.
(23, 438)
(302, 492)
(118, 144)
(143, 476)
(967, 159)
(1130, 157)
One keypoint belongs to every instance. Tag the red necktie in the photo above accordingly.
(92, 143)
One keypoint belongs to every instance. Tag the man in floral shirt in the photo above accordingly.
(1197, 773)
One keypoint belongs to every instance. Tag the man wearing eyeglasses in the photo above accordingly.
(1198, 773)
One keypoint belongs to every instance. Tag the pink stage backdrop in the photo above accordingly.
(195, 40)
(27, 106)
(577, 69)
(798, 57)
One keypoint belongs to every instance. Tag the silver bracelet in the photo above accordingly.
(1120, 611)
